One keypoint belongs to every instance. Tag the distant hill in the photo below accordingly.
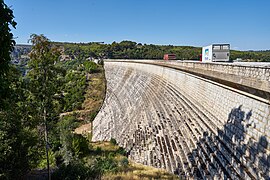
(20, 50)
(134, 50)
(260, 56)
(20, 57)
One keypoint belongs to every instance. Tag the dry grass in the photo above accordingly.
(137, 171)
(133, 171)
(84, 129)
(93, 101)
(96, 91)
(105, 146)
(94, 97)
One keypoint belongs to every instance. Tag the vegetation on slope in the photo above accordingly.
(125, 168)
(13, 137)
(52, 102)
(133, 50)
(108, 161)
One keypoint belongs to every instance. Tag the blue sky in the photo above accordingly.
(242, 23)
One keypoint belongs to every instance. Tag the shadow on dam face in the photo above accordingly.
(175, 121)
(230, 154)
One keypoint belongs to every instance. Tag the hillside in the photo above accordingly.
(133, 50)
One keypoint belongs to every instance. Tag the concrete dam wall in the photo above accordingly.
(187, 124)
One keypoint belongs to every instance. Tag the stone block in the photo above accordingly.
(160, 114)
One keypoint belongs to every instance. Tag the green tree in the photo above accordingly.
(74, 89)
(7, 44)
(90, 66)
(12, 152)
(44, 82)
(15, 140)
(6, 40)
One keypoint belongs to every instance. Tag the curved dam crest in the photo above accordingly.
(183, 123)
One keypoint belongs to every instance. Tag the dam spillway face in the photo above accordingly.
(185, 124)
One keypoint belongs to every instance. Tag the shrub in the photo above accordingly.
(124, 162)
(43, 161)
(79, 145)
(74, 88)
(106, 164)
(72, 145)
(122, 151)
(75, 170)
(98, 150)
(113, 141)
(92, 116)
(90, 66)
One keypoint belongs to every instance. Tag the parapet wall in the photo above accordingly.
(190, 125)
(253, 78)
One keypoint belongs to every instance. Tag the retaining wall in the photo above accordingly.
(187, 124)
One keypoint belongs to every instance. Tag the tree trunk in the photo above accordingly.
(47, 143)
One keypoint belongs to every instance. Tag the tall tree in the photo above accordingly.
(6, 40)
(44, 84)
(6, 46)
(13, 139)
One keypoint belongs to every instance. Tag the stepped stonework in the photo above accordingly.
(192, 126)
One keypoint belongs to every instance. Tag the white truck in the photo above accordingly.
(216, 53)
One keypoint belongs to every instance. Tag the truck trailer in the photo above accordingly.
(169, 57)
(216, 53)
